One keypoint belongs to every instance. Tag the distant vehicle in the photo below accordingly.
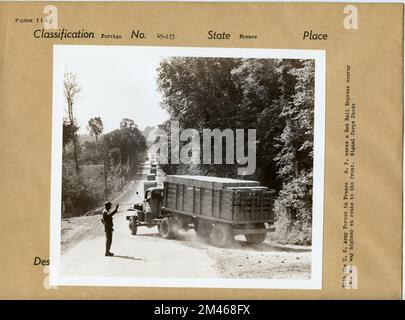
(217, 208)
(149, 184)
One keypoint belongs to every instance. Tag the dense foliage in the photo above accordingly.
(275, 97)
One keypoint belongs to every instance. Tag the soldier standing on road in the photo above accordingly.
(107, 220)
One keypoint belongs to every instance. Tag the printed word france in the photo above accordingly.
(185, 147)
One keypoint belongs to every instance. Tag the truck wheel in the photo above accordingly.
(222, 234)
(256, 238)
(202, 228)
(133, 226)
(167, 228)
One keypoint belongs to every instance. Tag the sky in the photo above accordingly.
(116, 82)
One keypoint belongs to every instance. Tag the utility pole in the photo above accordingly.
(121, 175)
(105, 180)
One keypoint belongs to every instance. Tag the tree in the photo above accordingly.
(127, 124)
(273, 96)
(125, 148)
(200, 94)
(71, 89)
(295, 148)
(258, 79)
(69, 132)
(95, 128)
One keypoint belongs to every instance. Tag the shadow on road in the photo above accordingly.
(127, 258)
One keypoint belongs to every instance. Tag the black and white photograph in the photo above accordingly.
(187, 167)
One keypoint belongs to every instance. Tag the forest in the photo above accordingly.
(273, 96)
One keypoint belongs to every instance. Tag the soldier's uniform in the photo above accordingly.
(108, 227)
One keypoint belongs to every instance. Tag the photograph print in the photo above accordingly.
(187, 167)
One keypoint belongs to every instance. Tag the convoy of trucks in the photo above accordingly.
(217, 208)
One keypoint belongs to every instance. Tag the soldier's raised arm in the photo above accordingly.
(115, 210)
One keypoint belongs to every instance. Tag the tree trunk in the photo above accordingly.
(72, 121)
(75, 154)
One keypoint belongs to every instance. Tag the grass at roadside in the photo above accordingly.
(78, 229)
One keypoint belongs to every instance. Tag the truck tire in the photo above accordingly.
(203, 228)
(167, 228)
(256, 238)
(222, 234)
(133, 226)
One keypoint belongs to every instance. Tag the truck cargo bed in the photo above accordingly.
(222, 199)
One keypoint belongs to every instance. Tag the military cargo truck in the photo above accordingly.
(217, 208)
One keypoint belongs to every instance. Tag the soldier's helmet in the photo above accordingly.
(107, 204)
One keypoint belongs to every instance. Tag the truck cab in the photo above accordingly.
(153, 202)
(145, 212)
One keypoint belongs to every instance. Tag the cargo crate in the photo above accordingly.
(222, 199)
